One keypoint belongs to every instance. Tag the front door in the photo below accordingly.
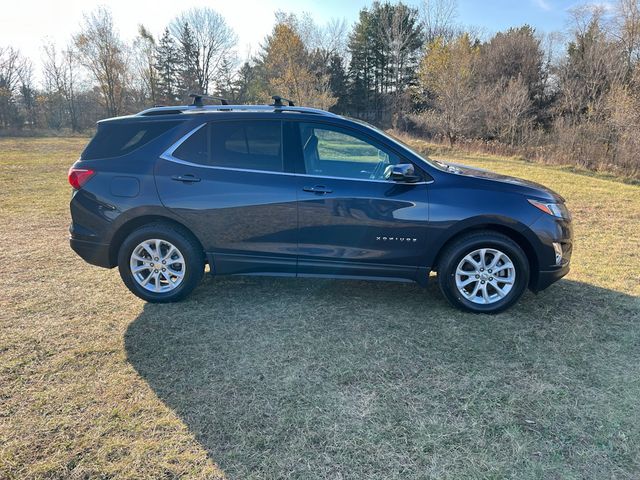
(227, 183)
(352, 221)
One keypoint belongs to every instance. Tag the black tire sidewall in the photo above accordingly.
(193, 256)
(458, 251)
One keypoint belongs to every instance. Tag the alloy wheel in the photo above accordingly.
(485, 276)
(157, 265)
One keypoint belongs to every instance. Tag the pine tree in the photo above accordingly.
(361, 71)
(250, 84)
(168, 66)
(188, 53)
(385, 45)
(225, 82)
(338, 83)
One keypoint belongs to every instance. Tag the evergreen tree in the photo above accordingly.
(225, 81)
(385, 47)
(338, 83)
(188, 61)
(362, 60)
(249, 84)
(168, 67)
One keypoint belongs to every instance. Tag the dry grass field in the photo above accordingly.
(285, 378)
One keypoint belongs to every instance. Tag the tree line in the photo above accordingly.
(570, 98)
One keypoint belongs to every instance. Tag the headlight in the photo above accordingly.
(555, 209)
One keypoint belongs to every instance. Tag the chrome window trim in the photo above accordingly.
(168, 156)
(168, 153)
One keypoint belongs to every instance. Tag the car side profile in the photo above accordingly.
(291, 191)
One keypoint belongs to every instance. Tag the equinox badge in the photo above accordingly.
(396, 239)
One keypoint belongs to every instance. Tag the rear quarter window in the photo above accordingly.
(117, 139)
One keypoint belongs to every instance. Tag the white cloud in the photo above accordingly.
(543, 4)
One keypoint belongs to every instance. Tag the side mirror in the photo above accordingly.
(403, 172)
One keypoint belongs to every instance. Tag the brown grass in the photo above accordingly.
(273, 378)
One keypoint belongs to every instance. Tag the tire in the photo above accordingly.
(499, 287)
(170, 281)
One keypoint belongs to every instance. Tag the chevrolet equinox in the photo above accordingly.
(291, 191)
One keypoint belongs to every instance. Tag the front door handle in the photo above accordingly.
(188, 178)
(320, 189)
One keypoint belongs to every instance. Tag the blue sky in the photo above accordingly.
(496, 15)
(251, 19)
(489, 15)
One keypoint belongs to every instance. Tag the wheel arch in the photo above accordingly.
(519, 237)
(140, 221)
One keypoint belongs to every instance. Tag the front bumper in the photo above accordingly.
(550, 231)
(547, 277)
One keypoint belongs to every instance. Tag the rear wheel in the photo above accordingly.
(160, 263)
(483, 272)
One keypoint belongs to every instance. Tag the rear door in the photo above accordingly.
(228, 183)
(352, 221)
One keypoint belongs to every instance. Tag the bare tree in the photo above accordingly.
(28, 95)
(334, 37)
(439, 19)
(593, 65)
(59, 70)
(508, 110)
(627, 30)
(581, 16)
(214, 40)
(623, 106)
(144, 65)
(514, 53)
(12, 67)
(322, 40)
(103, 53)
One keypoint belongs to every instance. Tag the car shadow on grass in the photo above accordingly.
(303, 378)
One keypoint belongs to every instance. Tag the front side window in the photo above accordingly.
(334, 152)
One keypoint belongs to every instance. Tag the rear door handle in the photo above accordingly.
(321, 189)
(188, 178)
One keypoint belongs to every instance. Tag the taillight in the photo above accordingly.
(79, 176)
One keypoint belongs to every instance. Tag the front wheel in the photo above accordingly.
(160, 263)
(483, 272)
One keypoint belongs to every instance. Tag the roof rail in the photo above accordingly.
(191, 109)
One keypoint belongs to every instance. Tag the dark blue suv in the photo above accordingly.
(289, 191)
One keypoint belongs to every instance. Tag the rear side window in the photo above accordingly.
(117, 139)
(194, 149)
(254, 145)
(246, 145)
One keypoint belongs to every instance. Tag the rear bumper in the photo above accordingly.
(92, 252)
(547, 277)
